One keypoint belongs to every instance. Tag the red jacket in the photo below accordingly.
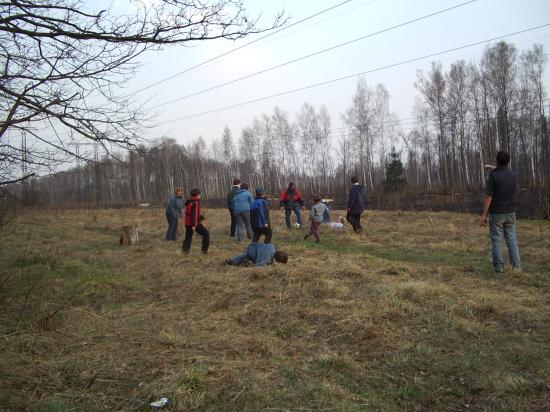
(289, 199)
(192, 211)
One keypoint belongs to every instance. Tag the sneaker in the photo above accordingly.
(185, 252)
(228, 262)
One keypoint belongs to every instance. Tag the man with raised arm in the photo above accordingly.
(499, 209)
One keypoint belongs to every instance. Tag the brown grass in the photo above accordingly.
(405, 316)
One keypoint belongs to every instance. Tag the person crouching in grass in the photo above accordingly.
(259, 218)
(258, 254)
(316, 217)
(193, 219)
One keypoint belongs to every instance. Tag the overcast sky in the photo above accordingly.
(474, 22)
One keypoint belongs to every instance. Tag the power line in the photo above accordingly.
(389, 66)
(278, 66)
(237, 48)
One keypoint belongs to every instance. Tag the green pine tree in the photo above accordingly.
(394, 182)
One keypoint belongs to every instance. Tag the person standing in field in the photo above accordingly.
(174, 209)
(241, 207)
(259, 217)
(292, 200)
(230, 196)
(193, 219)
(357, 200)
(316, 217)
(499, 209)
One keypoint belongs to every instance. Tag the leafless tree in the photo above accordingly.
(63, 65)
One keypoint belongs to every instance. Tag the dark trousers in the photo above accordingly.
(233, 222)
(355, 221)
(201, 230)
(172, 232)
(266, 231)
(314, 229)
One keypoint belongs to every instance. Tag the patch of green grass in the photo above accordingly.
(58, 405)
(329, 364)
(404, 254)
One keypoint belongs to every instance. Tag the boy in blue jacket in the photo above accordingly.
(259, 217)
(258, 254)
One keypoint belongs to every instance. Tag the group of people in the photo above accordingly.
(251, 215)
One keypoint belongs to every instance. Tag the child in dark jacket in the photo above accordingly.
(259, 218)
(193, 219)
(357, 200)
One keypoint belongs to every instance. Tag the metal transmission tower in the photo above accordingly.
(77, 146)
(25, 160)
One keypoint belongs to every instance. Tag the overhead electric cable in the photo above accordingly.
(237, 48)
(389, 66)
(278, 66)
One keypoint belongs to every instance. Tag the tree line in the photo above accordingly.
(461, 117)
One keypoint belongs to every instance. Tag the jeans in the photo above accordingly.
(233, 222)
(243, 221)
(201, 230)
(266, 231)
(504, 225)
(239, 260)
(298, 214)
(172, 232)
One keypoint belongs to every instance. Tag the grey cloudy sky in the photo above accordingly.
(474, 22)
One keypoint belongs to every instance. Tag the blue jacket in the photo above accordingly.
(242, 201)
(260, 253)
(357, 199)
(174, 206)
(259, 213)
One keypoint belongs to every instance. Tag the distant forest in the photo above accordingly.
(461, 118)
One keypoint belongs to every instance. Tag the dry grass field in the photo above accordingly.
(406, 316)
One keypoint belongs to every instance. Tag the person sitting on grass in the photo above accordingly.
(316, 217)
(258, 254)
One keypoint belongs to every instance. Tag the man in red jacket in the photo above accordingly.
(292, 200)
(193, 219)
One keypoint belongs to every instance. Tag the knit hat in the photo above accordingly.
(260, 190)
